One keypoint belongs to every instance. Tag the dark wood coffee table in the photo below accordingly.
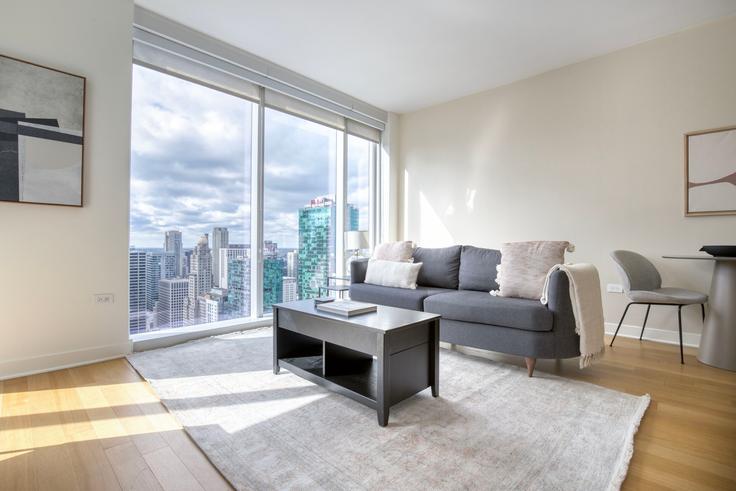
(377, 359)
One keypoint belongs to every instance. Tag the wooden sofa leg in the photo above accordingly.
(530, 362)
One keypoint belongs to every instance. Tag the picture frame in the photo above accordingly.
(710, 172)
(42, 130)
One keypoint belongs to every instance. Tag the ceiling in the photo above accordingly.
(403, 55)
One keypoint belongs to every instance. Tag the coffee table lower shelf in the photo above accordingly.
(360, 386)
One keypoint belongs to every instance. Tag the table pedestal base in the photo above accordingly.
(718, 342)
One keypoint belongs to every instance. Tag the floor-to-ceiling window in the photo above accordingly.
(300, 166)
(242, 190)
(189, 203)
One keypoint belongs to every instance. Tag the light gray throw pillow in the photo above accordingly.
(394, 251)
(524, 266)
(392, 273)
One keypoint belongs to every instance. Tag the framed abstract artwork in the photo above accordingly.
(710, 172)
(41, 134)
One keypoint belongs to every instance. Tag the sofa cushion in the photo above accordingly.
(440, 266)
(393, 297)
(478, 268)
(483, 308)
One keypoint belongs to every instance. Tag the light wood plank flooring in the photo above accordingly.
(101, 427)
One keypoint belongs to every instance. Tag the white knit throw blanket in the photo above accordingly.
(585, 295)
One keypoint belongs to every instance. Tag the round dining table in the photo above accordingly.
(718, 341)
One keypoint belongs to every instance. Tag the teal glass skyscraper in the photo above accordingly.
(316, 259)
(238, 287)
(274, 269)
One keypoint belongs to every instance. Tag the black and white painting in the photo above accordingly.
(41, 134)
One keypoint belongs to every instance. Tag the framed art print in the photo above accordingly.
(710, 172)
(41, 134)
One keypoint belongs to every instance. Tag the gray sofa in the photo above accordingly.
(455, 282)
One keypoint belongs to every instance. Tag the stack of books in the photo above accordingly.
(347, 308)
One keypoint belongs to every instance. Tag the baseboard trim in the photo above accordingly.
(690, 339)
(21, 367)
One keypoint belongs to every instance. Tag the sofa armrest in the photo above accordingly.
(358, 269)
(559, 303)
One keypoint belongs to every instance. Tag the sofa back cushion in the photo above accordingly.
(441, 267)
(478, 268)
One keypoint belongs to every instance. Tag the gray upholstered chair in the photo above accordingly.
(643, 286)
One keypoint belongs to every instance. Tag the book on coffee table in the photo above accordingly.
(347, 308)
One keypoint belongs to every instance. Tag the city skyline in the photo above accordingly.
(213, 283)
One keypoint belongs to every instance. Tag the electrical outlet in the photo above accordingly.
(614, 288)
(104, 298)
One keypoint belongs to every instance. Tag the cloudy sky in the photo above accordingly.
(190, 170)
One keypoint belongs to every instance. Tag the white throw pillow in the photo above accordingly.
(392, 273)
(394, 251)
(524, 266)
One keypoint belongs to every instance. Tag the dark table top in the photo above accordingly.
(384, 319)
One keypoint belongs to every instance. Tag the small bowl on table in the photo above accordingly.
(720, 250)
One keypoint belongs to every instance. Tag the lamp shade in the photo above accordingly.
(355, 240)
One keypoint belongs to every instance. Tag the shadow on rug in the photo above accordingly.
(491, 428)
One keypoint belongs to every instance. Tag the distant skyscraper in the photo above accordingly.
(211, 305)
(220, 240)
(292, 263)
(289, 289)
(172, 299)
(353, 217)
(270, 248)
(273, 277)
(316, 246)
(137, 290)
(159, 266)
(172, 243)
(238, 287)
(233, 251)
(186, 262)
(200, 278)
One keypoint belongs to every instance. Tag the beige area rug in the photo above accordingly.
(491, 428)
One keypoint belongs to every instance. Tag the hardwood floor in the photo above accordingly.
(101, 427)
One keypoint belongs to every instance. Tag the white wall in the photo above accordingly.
(591, 153)
(55, 258)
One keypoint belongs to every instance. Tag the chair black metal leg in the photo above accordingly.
(619, 324)
(679, 321)
(646, 316)
(702, 309)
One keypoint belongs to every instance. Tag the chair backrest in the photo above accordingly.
(637, 271)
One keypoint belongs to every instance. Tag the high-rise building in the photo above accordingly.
(316, 246)
(172, 243)
(352, 217)
(159, 266)
(289, 289)
(200, 278)
(186, 262)
(273, 277)
(137, 290)
(292, 263)
(238, 287)
(270, 248)
(234, 250)
(211, 305)
(220, 240)
(171, 305)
